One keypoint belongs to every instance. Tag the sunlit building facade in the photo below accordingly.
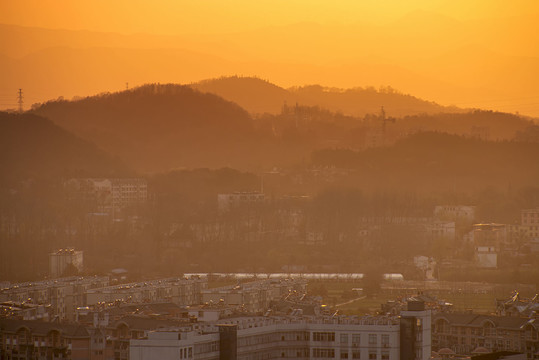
(337, 337)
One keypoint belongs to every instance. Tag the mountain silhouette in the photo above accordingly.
(33, 147)
(160, 127)
(157, 128)
(432, 161)
(260, 96)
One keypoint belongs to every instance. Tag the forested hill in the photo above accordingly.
(260, 96)
(441, 162)
(33, 147)
(158, 127)
(253, 94)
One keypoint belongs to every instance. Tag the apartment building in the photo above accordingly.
(64, 294)
(324, 337)
(463, 333)
(226, 202)
(177, 290)
(60, 259)
(109, 195)
(530, 217)
(256, 296)
(24, 340)
(457, 213)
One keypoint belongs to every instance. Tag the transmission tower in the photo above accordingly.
(20, 101)
(384, 121)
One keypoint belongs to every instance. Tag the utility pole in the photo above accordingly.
(19, 100)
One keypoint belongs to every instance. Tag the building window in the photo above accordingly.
(344, 354)
(356, 354)
(323, 353)
(356, 339)
(324, 336)
(372, 356)
(373, 339)
(385, 340)
(344, 338)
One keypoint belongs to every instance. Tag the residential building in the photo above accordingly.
(23, 340)
(457, 213)
(530, 217)
(486, 256)
(463, 333)
(64, 294)
(490, 234)
(298, 337)
(177, 290)
(517, 305)
(109, 195)
(61, 259)
(254, 297)
(440, 230)
(226, 202)
(25, 311)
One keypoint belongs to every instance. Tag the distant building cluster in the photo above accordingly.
(66, 295)
(109, 195)
(491, 239)
(61, 296)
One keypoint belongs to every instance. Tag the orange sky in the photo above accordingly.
(212, 16)
(482, 53)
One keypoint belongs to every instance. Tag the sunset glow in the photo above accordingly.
(468, 53)
(269, 179)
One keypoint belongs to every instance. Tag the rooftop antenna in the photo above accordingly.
(20, 101)
(126, 86)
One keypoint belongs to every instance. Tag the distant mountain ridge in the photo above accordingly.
(157, 128)
(260, 96)
(468, 63)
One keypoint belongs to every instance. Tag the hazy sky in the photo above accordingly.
(212, 16)
(482, 53)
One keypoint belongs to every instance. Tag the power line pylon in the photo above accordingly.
(20, 101)
(384, 121)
